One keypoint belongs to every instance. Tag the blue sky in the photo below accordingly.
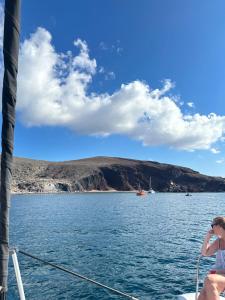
(142, 79)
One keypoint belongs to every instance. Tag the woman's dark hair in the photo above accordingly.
(219, 221)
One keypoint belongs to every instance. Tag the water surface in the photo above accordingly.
(144, 246)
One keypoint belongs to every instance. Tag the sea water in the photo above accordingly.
(143, 246)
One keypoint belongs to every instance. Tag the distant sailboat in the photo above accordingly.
(151, 191)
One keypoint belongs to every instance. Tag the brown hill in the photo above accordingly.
(108, 173)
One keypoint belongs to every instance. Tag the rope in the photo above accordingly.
(78, 275)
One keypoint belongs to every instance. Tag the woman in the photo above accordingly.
(215, 281)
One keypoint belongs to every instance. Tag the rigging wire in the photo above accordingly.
(78, 275)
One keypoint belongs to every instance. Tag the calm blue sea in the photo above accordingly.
(144, 246)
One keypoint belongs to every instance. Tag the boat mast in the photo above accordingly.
(10, 51)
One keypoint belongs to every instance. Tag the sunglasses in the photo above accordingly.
(212, 225)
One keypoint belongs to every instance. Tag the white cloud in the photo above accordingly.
(115, 48)
(107, 75)
(190, 104)
(101, 70)
(214, 150)
(220, 161)
(110, 75)
(82, 61)
(53, 91)
(103, 46)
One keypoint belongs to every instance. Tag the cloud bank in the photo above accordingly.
(53, 91)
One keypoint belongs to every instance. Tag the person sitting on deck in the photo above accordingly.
(214, 283)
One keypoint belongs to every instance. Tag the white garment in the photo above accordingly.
(220, 258)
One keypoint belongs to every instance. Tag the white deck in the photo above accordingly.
(191, 296)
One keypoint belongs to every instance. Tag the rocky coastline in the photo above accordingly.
(108, 174)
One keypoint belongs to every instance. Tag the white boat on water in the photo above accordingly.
(151, 191)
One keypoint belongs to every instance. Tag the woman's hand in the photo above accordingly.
(207, 248)
(210, 233)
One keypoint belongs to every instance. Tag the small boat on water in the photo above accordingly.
(151, 191)
(188, 194)
(140, 191)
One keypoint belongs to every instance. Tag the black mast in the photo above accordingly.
(10, 50)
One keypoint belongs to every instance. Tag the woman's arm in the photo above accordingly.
(207, 248)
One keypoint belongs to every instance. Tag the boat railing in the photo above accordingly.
(192, 296)
(198, 277)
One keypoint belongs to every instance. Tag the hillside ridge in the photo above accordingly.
(102, 173)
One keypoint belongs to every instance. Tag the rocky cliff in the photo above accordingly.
(106, 173)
